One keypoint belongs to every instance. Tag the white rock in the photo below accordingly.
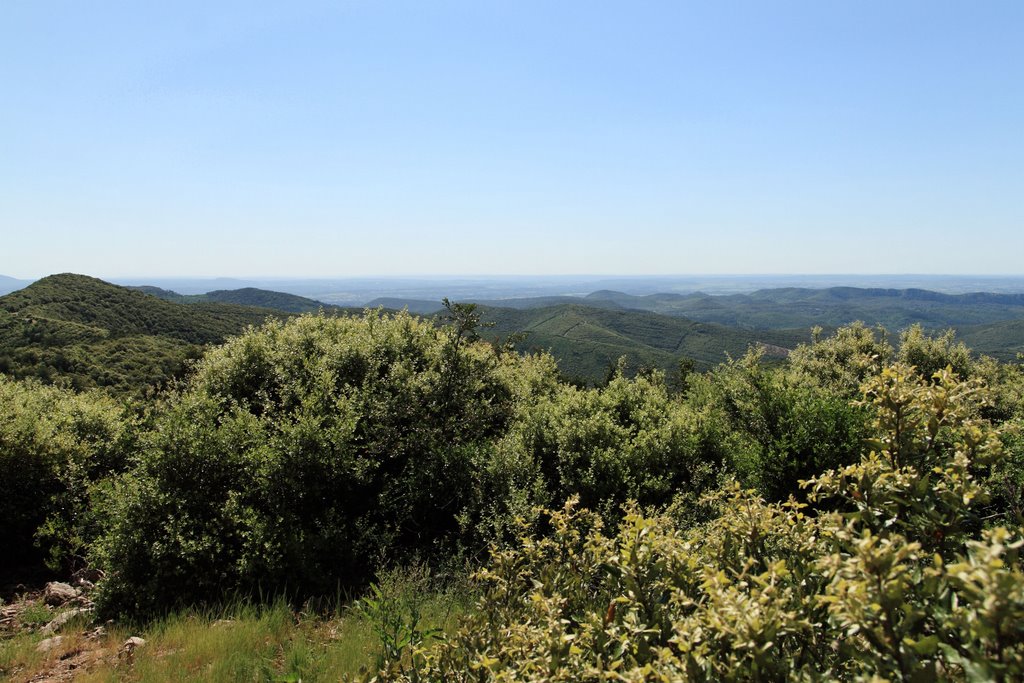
(57, 593)
(49, 644)
(61, 619)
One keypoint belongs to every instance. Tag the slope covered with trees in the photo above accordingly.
(789, 307)
(588, 341)
(89, 333)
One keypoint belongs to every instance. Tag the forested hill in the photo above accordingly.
(587, 341)
(113, 311)
(89, 333)
(247, 296)
(782, 308)
(788, 307)
(1002, 340)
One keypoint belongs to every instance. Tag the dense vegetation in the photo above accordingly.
(796, 307)
(588, 341)
(86, 333)
(854, 511)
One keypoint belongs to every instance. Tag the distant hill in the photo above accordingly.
(586, 341)
(90, 333)
(418, 306)
(11, 284)
(247, 296)
(793, 307)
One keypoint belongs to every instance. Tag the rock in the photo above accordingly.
(131, 644)
(49, 644)
(127, 651)
(61, 619)
(57, 593)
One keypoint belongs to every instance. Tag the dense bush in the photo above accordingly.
(630, 440)
(780, 427)
(301, 455)
(932, 354)
(900, 582)
(844, 360)
(54, 446)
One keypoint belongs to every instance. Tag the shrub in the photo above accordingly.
(629, 440)
(781, 427)
(54, 447)
(303, 453)
(899, 582)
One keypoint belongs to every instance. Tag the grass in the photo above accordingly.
(243, 642)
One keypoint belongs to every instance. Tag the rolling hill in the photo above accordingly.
(89, 333)
(1002, 340)
(11, 284)
(246, 296)
(787, 308)
(586, 341)
(793, 307)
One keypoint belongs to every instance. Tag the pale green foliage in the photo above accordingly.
(897, 582)
(54, 445)
(629, 440)
(844, 360)
(394, 608)
(777, 427)
(931, 354)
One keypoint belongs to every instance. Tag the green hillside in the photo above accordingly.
(89, 333)
(799, 307)
(1002, 340)
(586, 341)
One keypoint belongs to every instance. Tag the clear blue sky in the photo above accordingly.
(378, 137)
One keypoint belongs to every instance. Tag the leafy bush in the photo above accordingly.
(932, 354)
(780, 427)
(303, 453)
(629, 440)
(844, 360)
(900, 582)
(54, 447)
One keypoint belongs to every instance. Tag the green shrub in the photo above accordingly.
(844, 360)
(301, 454)
(629, 440)
(897, 583)
(54, 447)
(780, 426)
(932, 354)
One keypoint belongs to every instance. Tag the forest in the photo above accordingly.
(268, 494)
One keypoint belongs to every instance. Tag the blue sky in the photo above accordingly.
(475, 137)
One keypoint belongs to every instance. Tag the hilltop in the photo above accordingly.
(91, 333)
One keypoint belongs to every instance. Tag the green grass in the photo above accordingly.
(243, 642)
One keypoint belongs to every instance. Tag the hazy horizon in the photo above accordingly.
(361, 290)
